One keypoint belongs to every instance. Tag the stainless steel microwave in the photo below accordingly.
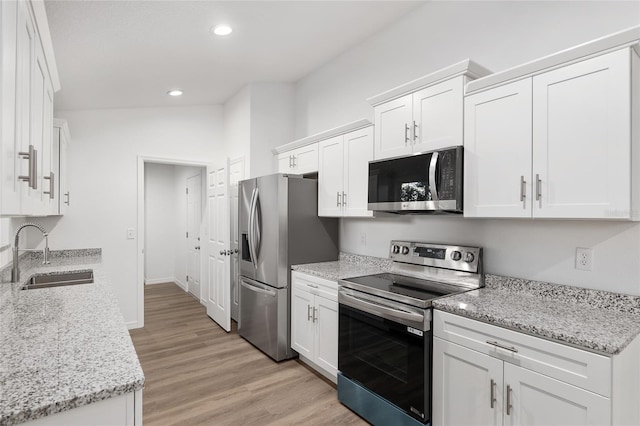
(428, 182)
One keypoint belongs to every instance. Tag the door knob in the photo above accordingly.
(197, 247)
(223, 252)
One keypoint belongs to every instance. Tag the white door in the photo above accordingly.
(393, 121)
(330, 177)
(467, 386)
(582, 139)
(194, 219)
(216, 250)
(358, 151)
(236, 174)
(497, 152)
(326, 345)
(437, 115)
(532, 399)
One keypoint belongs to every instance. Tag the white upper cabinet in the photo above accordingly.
(424, 114)
(582, 138)
(29, 80)
(300, 161)
(343, 174)
(497, 152)
(556, 144)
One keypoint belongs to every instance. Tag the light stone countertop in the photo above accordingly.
(595, 320)
(62, 347)
(348, 265)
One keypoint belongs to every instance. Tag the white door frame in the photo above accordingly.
(142, 159)
(197, 177)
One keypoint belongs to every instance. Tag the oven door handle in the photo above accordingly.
(379, 309)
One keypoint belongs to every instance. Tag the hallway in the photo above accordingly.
(196, 374)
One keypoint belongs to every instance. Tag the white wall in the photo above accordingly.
(237, 125)
(103, 179)
(497, 35)
(161, 221)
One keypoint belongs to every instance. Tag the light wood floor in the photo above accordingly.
(197, 374)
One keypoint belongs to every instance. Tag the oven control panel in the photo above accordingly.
(460, 258)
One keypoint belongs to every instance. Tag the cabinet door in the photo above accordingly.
(537, 400)
(358, 151)
(50, 165)
(581, 139)
(497, 152)
(285, 163)
(305, 159)
(393, 121)
(327, 335)
(437, 115)
(330, 177)
(302, 326)
(10, 134)
(25, 58)
(462, 386)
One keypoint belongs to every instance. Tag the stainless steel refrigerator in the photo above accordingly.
(278, 227)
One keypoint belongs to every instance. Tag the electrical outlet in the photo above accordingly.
(131, 233)
(363, 239)
(584, 258)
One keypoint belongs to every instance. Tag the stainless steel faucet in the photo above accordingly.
(15, 271)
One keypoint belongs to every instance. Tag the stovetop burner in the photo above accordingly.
(445, 270)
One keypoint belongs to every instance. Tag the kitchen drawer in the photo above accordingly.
(568, 364)
(315, 285)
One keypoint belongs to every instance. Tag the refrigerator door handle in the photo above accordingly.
(252, 250)
(257, 225)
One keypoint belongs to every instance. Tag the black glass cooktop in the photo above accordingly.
(403, 285)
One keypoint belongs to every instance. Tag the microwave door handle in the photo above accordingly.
(433, 187)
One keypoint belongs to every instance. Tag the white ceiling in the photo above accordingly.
(114, 54)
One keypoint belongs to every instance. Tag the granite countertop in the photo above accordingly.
(348, 265)
(599, 321)
(62, 347)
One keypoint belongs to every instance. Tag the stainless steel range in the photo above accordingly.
(385, 338)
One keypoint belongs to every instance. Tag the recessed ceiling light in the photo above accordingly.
(221, 30)
(175, 92)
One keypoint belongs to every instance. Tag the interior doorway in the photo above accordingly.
(193, 187)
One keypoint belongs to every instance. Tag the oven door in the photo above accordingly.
(431, 181)
(377, 349)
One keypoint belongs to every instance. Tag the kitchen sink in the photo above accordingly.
(59, 280)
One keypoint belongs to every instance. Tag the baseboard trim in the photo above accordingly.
(181, 284)
(151, 281)
(132, 324)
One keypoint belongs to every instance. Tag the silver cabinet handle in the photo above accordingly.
(492, 397)
(66, 194)
(295, 162)
(312, 285)
(415, 131)
(338, 203)
(509, 406)
(291, 161)
(498, 345)
(538, 188)
(523, 188)
(344, 198)
(52, 179)
(32, 177)
(315, 314)
(309, 316)
(406, 134)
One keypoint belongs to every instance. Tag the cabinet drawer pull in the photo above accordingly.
(312, 285)
(344, 199)
(406, 133)
(68, 196)
(32, 177)
(309, 313)
(538, 187)
(509, 406)
(338, 203)
(291, 161)
(415, 131)
(492, 397)
(315, 314)
(295, 163)
(523, 188)
(498, 345)
(51, 178)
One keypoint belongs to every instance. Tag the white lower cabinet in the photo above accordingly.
(314, 322)
(488, 375)
(123, 410)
